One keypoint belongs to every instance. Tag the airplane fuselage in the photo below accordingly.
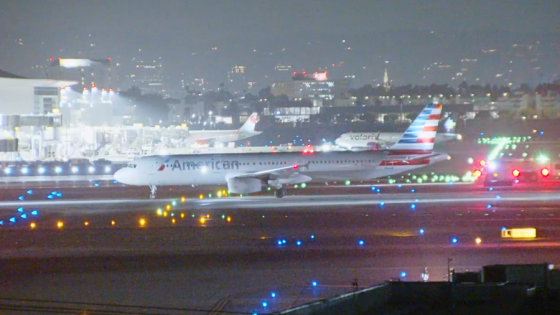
(371, 141)
(215, 169)
(219, 136)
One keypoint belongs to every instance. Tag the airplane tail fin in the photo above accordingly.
(420, 136)
(250, 123)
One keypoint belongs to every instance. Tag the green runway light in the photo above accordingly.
(347, 182)
(303, 185)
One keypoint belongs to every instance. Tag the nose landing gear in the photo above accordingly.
(153, 190)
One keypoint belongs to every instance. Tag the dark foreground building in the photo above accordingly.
(498, 289)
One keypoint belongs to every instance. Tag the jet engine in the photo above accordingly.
(243, 185)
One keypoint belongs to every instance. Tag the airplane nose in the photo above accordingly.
(121, 176)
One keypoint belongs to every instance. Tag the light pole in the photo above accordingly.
(449, 260)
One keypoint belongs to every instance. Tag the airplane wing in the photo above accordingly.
(413, 160)
(276, 173)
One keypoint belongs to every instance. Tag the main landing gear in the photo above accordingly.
(153, 190)
(280, 192)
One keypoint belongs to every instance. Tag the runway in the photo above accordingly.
(325, 202)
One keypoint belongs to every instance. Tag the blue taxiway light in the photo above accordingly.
(412, 190)
(381, 203)
(378, 190)
(312, 236)
(279, 243)
(30, 192)
(20, 197)
(498, 197)
(361, 242)
(372, 187)
(454, 240)
(96, 184)
(59, 195)
(13, 220)
(298, 243)
(1, 222)
(273, 294)
(503, 228)
(489, 206)
(53, 192)
(24, 216)
(491, 188)
(412, 206)
(34, 212)
(283, 241)
(264, 304)
(115, 182)
(20, 209)
(403, 274)
(314, 283)
(399, 185)
(50, 196)
(421, 231)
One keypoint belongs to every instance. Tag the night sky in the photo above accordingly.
(173, 29)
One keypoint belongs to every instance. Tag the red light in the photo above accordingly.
(482, 163)
(294, 74)
(295, 166)
(477, 173)
(109, 59)
(111, 90)
(545, 172)
(516, 173)
(304, 73)
(85, 88)
(51, 59)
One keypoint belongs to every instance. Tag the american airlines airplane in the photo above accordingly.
(362, 141)
(247, 173)
(203, 137)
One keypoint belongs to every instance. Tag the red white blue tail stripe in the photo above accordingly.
(419, 138)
